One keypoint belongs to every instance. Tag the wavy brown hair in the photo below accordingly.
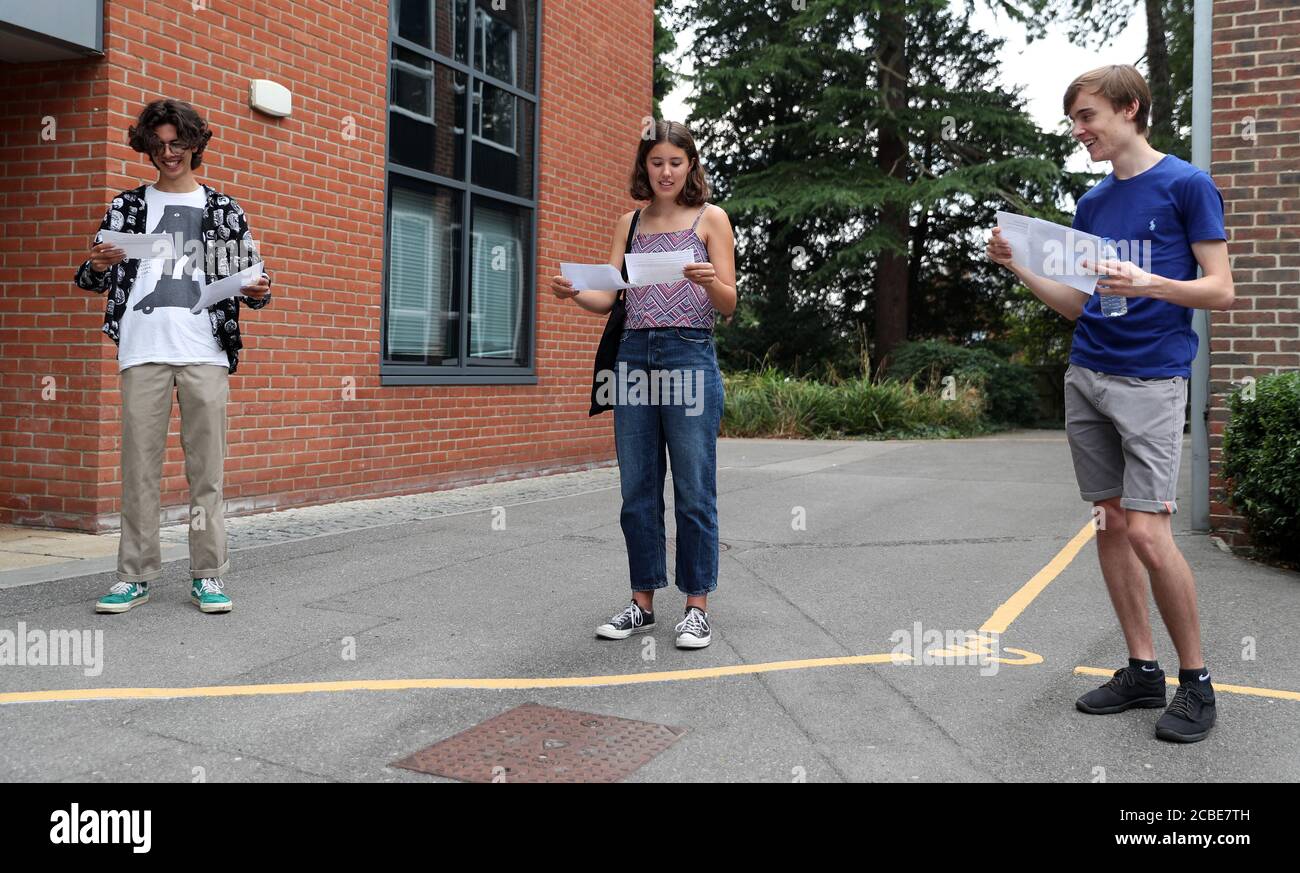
(696, 190)
(191, 129)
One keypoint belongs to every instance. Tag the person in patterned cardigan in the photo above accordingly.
(164, 347)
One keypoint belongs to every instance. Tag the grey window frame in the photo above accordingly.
(467, 372)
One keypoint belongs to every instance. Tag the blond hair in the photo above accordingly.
(1121, 84)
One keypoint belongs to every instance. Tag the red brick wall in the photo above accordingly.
(1256, 162)
(295, 435)
(54, 445)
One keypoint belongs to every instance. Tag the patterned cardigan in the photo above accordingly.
(223, 223)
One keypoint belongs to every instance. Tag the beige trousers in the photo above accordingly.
(202, 391)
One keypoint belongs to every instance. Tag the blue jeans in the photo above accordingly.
(682, 416)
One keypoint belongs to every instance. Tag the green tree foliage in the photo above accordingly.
(665, 77)
(1168, 57)
(789, 111)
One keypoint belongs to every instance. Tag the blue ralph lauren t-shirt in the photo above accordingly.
(1152, 219)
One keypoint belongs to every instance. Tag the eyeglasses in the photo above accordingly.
(175, 145)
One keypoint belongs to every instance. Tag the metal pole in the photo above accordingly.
(1202, 82)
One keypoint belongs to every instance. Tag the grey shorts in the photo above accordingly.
(1126, 437)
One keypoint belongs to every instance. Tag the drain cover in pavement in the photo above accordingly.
(534, 743)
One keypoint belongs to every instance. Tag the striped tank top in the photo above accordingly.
(678, 304)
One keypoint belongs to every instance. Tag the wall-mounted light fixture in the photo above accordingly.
(270, 97)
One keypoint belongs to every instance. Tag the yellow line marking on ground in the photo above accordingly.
(408, 684)
(997, 623)
(1009, 611)
(1233, 689)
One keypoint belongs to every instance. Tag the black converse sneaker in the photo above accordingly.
(693, 630)
(1190, 715)
(632, 620)
(1129, 687)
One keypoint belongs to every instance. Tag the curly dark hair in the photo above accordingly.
(696, 190)
(191, 129)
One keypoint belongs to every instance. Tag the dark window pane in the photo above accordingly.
(424, 232)
(413, 83)
(498, 258)
(426, 117)
(433, 23)
(503, 141)
(504, 41)
(460, 35)
(415, 21)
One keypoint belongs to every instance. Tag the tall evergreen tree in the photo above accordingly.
(861, 147)
(1168, 56)
(665, 43)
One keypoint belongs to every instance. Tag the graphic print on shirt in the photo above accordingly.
(176, 285)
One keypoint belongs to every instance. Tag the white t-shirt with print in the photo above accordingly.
(158, 327)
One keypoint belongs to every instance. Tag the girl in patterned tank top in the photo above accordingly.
(668, 340)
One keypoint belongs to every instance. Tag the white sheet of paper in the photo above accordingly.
(593, 277)
(1052, 250)
(227, 287)
(657, 268)
(144, 246)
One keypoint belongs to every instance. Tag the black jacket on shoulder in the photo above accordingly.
(229, 248)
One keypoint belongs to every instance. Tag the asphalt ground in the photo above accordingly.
(842, 560)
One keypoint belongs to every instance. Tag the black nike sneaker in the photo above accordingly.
(1129, 687)
(1190, 715)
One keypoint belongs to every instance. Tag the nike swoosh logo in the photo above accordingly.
(1148, 669)
(1204, 677)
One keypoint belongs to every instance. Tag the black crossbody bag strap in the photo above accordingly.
(607, 351)
(627, 247)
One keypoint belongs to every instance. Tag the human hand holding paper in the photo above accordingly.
(143, 246)
(657, 268)
(227, 287)
(593, 277)
(1053, 251)
(258, 289)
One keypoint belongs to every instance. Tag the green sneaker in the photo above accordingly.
(123, 596)
(206, 595)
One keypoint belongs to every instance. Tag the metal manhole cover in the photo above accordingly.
(535, 743)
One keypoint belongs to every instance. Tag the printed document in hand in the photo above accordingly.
(1053, 251)
(593, 277)
(141, 245)
(657, 268)
(223, 288)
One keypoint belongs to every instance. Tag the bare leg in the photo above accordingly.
(1126, 579)
(1151, 536)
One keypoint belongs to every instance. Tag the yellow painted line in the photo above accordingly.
(1009, 611)
(1233, 689)
(1026, 658)
(409, 684)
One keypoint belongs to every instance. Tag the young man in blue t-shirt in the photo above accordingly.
(1126, 387)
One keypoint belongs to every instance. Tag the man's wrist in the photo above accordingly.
(1159, 287)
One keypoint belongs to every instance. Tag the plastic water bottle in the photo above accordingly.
(1112, 305)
